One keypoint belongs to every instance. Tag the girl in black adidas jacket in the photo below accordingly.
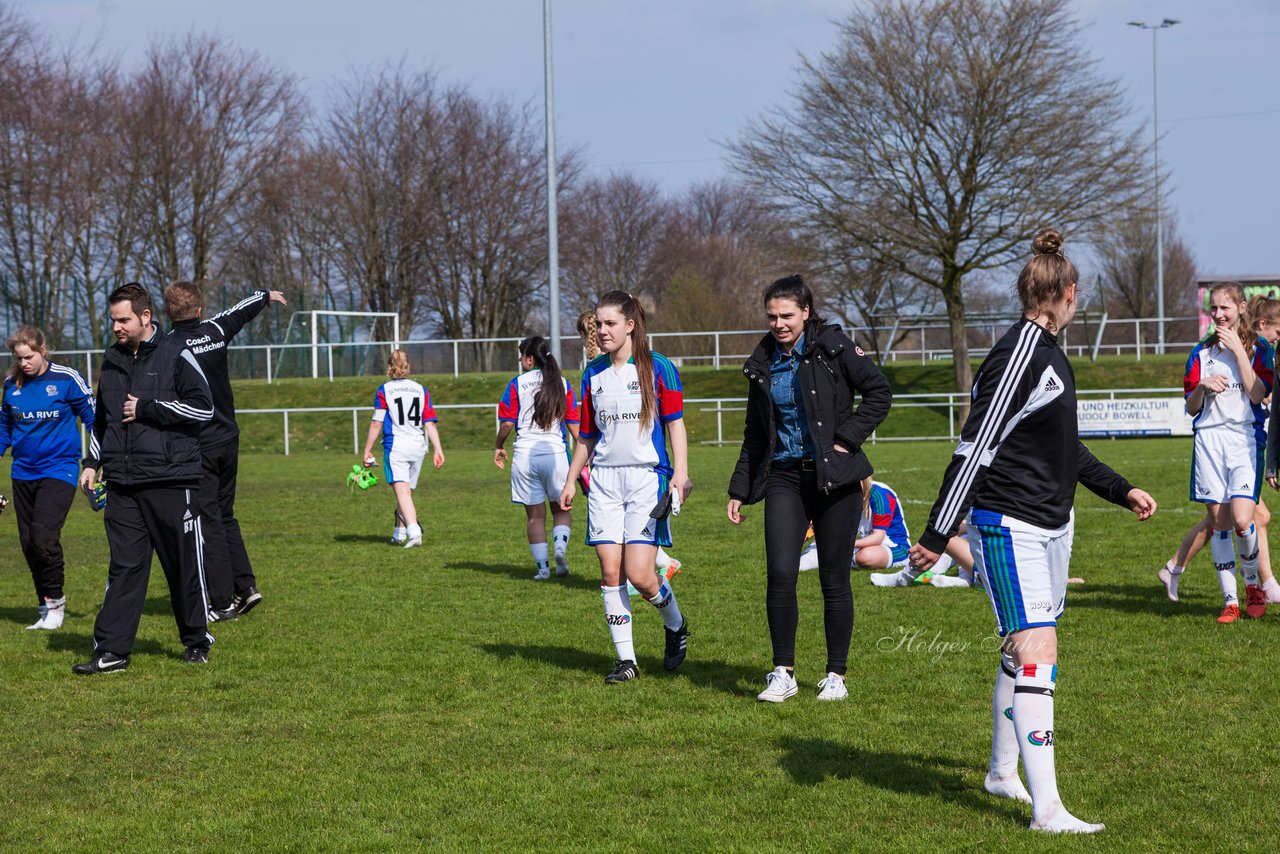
(802, 453)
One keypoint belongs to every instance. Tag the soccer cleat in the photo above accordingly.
(901, 578)
(1255, 602)
(562, 566)
(674, 568)
(542, 575)
(779, 685)
(677, 643)
(413, 542)
(1229, 614)
(247, 601)
(1166, 578)
(106, 662)
(222, 615)
(624, 671)
(833, 688)
(196, 655)
(1064, 822)
(924, 577)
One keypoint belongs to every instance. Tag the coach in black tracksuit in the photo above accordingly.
(232, 587)
(152, 402)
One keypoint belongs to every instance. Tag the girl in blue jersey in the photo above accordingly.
(402, 410)
(1227, 377)
(38, 422)
(632, 401)
(539, 405)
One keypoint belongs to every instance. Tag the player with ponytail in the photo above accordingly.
(632, 403)
(539, 405)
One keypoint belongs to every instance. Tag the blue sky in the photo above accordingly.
(654, 87)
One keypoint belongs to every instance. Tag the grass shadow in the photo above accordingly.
(811, 761)
(524, 574)
(709, 674)
(64, 641)
(362, 538)
(1128, 598)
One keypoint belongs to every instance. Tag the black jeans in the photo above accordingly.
(41, 507)
(792, 500)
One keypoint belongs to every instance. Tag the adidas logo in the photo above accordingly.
(1052, 385)
(186, 516)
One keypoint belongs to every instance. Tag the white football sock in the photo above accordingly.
(617, 613)
(560, 538)
(399, 533)
(1247, 546)
(414, 531)
(665, 601)
(945, 562)
(1033, 729)
(57, 611)
(1224, 561)
(540, 558)
(1175, 575)
(1002, 772)
(663, 560)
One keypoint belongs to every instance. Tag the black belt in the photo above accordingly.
(802, 465)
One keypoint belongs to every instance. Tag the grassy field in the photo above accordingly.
(390, 699)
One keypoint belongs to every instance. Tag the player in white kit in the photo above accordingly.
(1228, 375)
(402, 411)
(632, 400)
(539, 405)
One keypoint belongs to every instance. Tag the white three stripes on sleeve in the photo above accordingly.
(1000, 400)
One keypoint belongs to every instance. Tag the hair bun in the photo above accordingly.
(1047, 242)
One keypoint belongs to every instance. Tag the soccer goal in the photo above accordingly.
(328, 347)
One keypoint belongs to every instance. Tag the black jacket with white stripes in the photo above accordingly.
(208, 340)
(1019, 452)
(162, 446)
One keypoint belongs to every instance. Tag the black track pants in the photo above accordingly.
(41, 507)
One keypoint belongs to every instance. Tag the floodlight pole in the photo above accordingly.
(1155, 130)
(553, 250)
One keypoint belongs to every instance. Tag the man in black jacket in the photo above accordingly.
(153, 400)
(232, 587)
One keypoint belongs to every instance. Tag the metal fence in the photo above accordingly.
(922, 343)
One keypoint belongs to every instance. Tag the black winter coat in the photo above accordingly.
(831, 372)
(162, 446)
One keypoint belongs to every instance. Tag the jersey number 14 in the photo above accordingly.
(414, 416)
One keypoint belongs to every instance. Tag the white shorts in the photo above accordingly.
(1225, 464)
(536, 478)
(1022, 567)
(400, 466)
(619, 504)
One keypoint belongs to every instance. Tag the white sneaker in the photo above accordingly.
(412, 542)
(542, 575)
(832, 688)
(57, 612)
(891, 579)
(779, 686)
(562, 566)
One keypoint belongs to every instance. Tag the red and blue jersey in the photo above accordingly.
(517, 405)
(1232, 408)
(611, 408)
(886, 515)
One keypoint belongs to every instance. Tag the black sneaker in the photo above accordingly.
(222, 615)
(106, 662)
(677, 641)
(624, 672)
(196, 655)
(245, 602)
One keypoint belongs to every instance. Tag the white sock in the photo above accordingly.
(540, 559)
(560, 538)
(1033, 729)
(414, 531)
(399, 533)
(1002, 773)
(1247, 546)
(1175, 575)
(809, 559)
(57, 611)
(665, 601)
(1224, 561)
(663, 560)
(617, 613)
(945, 562)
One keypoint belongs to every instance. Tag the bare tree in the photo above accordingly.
(937, 137)
(1127, 262)
(215, 119)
